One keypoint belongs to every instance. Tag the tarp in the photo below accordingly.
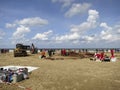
(30, 68)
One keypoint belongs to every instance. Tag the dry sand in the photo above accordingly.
(69, 74)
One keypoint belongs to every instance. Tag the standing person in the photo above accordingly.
(64, 52)
(102, 56)
(112, 53)
(113, 59)
(50, 52)
(43, 54)
(61, 52)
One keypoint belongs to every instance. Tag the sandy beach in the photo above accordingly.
(67, 74)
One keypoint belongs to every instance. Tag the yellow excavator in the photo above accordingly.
(21, 50)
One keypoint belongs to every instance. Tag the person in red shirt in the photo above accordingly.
(102, 56)
(64, 52)
(97, 55)
(112, 53)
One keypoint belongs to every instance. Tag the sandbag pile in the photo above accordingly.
(13, 75)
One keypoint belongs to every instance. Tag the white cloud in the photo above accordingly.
(77, 32)
(23, 27)
(89, 24)
(20, 32)
(43, 36)
(71, 36)
(110, 34)
(19, 35)
(77, 9)
(74, 38)
(88, 38)
(81, 28)
(34, 21)
(8, 25)
(105, 26)
(105, 35)
(117, 29)
(93, 16)
(64, 2)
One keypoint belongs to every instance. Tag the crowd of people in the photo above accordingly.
(103, 57)
(99, 55)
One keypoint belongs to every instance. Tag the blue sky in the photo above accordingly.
(60, 23)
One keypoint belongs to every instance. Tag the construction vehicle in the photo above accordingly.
(21, 50)
(33, 49)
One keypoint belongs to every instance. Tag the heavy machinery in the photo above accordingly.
(21, 50)
(33, 49)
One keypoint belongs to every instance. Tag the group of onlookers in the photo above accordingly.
(4, 50)
(103, 57)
